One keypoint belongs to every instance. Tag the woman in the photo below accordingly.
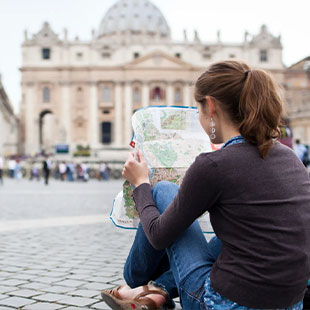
(257, 193)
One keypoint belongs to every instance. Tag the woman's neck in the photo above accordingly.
(229, 132)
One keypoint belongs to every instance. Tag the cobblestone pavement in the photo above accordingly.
(58, 248)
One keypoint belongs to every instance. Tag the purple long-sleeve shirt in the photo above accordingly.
(259, 209)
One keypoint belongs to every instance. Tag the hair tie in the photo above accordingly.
(246, 75)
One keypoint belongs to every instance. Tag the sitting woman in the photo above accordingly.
(257, 192)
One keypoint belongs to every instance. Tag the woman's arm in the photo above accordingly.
(198, 193)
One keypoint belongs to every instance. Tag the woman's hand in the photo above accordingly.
(136, 171)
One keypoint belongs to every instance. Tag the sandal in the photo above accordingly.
(140, 302)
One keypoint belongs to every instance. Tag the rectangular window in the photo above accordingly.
(136, 55)
(106, 94)
(177, 96)
(46, 53)
(136, 95)
(178, 55)
(106, 133)
(207, 56)
(106, 55)
(263, 56)
(46, 95)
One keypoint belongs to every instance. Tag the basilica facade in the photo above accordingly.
(77, 93)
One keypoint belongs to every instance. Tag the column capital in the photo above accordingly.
(30, 84)
(65, 83)
(128, 83)
(92, 83)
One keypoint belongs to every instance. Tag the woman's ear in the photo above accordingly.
(210, 103)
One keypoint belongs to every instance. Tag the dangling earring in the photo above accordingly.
(212, 129)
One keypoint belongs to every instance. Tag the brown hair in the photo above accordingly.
(249, 97)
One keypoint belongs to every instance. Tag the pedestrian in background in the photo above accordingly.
(70, 172)
(1, 169)
(62, 170)
(18, 170)
(34, 173)
(104, 171)
(12, 165)
(46, 169)
(302, 152)
(85, 170)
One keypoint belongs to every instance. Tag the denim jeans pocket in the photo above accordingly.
(192, 300)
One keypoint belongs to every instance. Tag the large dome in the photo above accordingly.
(134, 17)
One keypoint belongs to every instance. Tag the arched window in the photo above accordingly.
(106, 94)
(177, 95)
(46, 95)
(157, 94)
(106, 132)
(136, 95)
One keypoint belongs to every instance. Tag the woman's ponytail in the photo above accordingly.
(250, 98)
(260, 109)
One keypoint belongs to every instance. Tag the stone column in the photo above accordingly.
(93, 116)
(118, 128)
(30, 120)
(128, 114)
(65, 113)
(145, 95)
(170, 95)
(187, 95)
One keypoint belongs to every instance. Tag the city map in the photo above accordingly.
(170, 139)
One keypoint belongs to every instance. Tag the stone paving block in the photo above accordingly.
(77, 301)
(118, 282)
(74, 308)
(50, 297)
(23, 276)
(96, 279)
(101, 306)
(58, 289)
(16, 302)
(78, 276)
(2, 296)
(97, 286)
(34, 286)
(71, 283)
(86, 293)
(106, 274)
(5, 308)
(6, 289)
(34, 271)
(82, 271)
(62, 269)
(24, 293)
(5, 274)
(14, 269)
(47, 280)
(56, 274)
(12, 282)
(43, 306)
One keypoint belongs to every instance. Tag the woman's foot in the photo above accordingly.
(128, 293)
(147, 297)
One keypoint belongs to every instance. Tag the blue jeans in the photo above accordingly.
(182, 268)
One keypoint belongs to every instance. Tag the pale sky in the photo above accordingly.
(291, 19)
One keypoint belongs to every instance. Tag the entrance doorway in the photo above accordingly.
(46, 130)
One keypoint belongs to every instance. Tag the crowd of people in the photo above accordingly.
(16, 168)
(46, 168)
